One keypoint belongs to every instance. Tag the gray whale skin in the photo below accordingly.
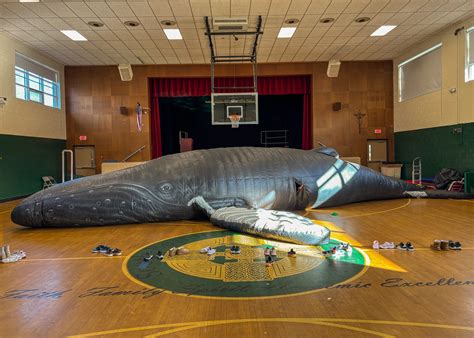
(243, 189)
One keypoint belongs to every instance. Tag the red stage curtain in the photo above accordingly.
(269, 85)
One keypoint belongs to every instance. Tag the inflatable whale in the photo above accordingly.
(244, 189)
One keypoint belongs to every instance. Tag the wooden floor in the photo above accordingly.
(399, 294)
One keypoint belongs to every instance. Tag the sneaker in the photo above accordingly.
(211, 251)
(268, 260)
(205, 250)
(235, 249)
(12, 258)
(20, 253)
(436, 245)
(2, 253)
(410, 247)
(182, 251)
(291, 253)
(159, 255)
(401, 246)
(6, 248)
(267, 251)
(273, 252)
(375, 245)
(117, 252)
(457, 246)
(172, 252)
(101, 248)
(148, 257)
(387, 245)
(444, 245)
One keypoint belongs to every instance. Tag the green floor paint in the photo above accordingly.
(24, 160)
(438, 148)
(160, 274)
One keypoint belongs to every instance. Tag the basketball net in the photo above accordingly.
(235, 119)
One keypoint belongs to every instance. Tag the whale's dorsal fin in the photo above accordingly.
(327, 151)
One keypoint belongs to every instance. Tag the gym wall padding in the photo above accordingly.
(438, 148)
(24, 160)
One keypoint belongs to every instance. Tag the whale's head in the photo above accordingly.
(94, 201)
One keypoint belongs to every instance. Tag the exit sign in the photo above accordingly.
(377, 131)
(83, 138)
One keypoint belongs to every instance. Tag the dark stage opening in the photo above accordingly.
(193, 115)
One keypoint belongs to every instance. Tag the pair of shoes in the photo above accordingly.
(292, 253)
(148, 257)
(113, 252)
(101, 249)
(235, 249)
(345, 247)
(208, 250)
(268, 260)
(331, 251)
(159, 255)
(387, 245)
(267, 250)
(273, 252)
(403, 246)
(16, 256)
(178, 251)
(454, 245)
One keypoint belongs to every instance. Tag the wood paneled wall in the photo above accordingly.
(94, 95)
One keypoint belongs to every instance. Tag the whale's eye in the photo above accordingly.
(166, 187)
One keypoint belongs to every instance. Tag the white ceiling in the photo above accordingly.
(38, 25)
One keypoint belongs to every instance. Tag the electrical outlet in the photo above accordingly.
(457, 130)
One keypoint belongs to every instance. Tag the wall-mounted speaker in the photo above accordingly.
(336, 106)
(333, 68)
(125, 71)
(124, 110)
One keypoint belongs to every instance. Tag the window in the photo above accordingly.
(420, 74)
(36, 82)
(470, 54)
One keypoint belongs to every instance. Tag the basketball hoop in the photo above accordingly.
(234, 119)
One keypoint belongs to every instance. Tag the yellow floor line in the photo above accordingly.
(4, 212)
(68, 258)
(190, 325)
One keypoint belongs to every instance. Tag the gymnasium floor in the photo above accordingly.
(62, 289)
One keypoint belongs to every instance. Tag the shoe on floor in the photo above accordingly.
(387, 245)
(457, 246)
(148, 257)
(273, 252)
(376, 245)
(113, 252)
(401, 246)
(436, 245)
(6, 248)
(182, 251)
(292, 253)
(205, 250)
(101, 248)
(172, 252)
(410, 247)
(235, 249)
(267, 251)
(14, 257)
(159, 255)
(444, 245)
(2, 253)
(211, 251)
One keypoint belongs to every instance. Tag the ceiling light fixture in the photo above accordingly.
(383, 30)
(131, 23)
(95, 24)
(286, 32)
(326, 20)
(173, 34)
(74, 35)
(362, 19)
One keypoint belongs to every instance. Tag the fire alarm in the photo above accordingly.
(83, 138)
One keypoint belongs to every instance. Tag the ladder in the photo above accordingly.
(416, 171)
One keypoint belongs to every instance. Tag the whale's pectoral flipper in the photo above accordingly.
(272, 224)
(208, 205)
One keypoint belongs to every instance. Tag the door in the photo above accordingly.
(377, 152)
(84, 160)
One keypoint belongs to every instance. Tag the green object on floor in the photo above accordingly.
(469, 182)
(334, 214)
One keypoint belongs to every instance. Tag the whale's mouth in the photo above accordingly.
(28, 214)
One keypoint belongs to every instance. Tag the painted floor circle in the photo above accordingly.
(240, 275)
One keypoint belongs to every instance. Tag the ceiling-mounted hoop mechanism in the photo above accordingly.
(234, 58)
